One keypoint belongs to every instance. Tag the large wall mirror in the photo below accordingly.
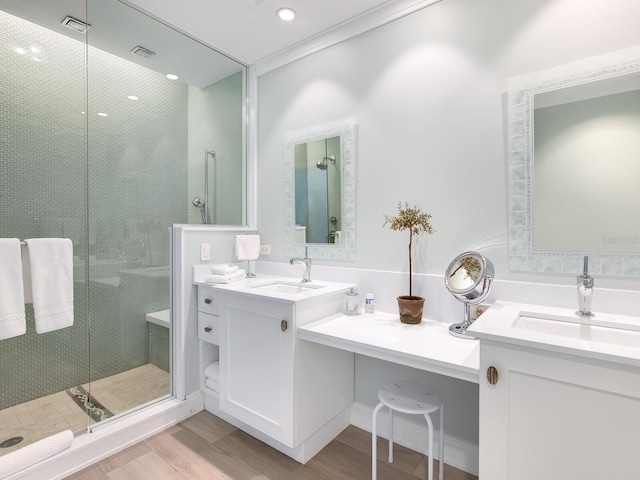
(574, 161)
(319, 167)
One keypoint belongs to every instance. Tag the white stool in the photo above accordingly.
(414, 398)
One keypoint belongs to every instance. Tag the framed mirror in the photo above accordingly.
(319, 169)
(573, 149)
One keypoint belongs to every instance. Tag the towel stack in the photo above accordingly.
(212, 376)
(225, 273)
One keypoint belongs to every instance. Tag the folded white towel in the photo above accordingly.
(247, 247)
(233, 277)
(223, 269)
(36, 452)
(212, 384)
(51, 262)
(12, 317)
(212, 371)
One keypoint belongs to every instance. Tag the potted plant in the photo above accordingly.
(416, 221)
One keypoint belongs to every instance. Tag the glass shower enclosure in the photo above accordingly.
(98, 145)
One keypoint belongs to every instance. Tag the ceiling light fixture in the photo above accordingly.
(172, 76)
(75, 24)
(286, 14)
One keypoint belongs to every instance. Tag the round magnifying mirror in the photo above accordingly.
(468, 278)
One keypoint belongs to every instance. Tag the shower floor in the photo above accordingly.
(54, 413)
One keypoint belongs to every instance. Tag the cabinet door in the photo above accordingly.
(556, 416)
(256, 364)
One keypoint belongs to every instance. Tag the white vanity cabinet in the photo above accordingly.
(554, 415)
(294, 395)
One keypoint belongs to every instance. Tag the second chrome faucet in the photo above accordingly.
(585, 290)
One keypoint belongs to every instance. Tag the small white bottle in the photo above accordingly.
(369, 303)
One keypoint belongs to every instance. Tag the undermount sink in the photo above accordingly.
(289, 288)
(578, 328)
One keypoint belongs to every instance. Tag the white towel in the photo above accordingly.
(12, 318)
(51, 262)
(247, 247)
(337, 238)
(212, 371)
(233, 277)
(223, 269)
(36, 452)
(212, 384)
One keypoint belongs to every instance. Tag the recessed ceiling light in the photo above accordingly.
(286, 14)
(133, 97)
(171, 76)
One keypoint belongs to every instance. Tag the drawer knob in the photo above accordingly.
(207, 301)
(492, 375)
(207, 329)
(284, 325)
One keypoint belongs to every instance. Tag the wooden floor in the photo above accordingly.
(206, 447)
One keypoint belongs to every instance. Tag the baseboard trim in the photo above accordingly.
(457, 453)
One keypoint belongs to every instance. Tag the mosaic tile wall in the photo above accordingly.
(215, 123)
(116, 205)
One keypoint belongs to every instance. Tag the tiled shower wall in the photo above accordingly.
(113, 184)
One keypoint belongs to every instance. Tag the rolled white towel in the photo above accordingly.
(223, 269)
(232, 277)
(212, 384)
(36, 452)
(212, 371)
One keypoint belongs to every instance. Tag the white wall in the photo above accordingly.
(428, 94)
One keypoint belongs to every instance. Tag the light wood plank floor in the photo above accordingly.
(206, 447)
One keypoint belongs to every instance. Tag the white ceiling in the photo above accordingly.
(249, 30)
(244, 30)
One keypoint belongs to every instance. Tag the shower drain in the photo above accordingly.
(10, 442)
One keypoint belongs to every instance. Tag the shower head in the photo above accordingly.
(322, 164)
(198, 202)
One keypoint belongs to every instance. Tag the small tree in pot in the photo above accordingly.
(417, 222)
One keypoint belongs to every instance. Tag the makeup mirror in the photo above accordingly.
(468, 278)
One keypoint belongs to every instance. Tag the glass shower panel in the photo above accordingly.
(43, 193)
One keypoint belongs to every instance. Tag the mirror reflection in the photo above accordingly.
(318, 192)
(319, 203)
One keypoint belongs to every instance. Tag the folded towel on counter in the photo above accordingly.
(212, 384)
(13, 321)
(232, 277)
(36, 452)
(223, 269)
(51, 262)
(247, 247)
(213, 371)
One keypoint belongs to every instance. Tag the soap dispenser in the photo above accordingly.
(352, 302)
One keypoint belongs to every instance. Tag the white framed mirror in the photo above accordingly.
(573, 151)
(319, 202)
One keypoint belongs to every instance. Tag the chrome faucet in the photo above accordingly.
(585, 290)
(306, 261)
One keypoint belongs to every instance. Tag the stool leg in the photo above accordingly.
(390, 436)
(430, 462)
(441, 464)
(374, 441)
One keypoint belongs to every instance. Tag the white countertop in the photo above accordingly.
(247, 286)
(427, 345)
(497, 324)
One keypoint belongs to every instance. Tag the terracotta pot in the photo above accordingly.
(410, 308)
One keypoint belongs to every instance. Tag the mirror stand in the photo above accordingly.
(468, 278)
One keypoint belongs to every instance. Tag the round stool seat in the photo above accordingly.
(410, 397)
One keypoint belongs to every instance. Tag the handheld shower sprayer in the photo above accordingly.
(199, 203)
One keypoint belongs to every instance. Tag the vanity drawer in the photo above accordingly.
(208, 300)
(209, 328)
